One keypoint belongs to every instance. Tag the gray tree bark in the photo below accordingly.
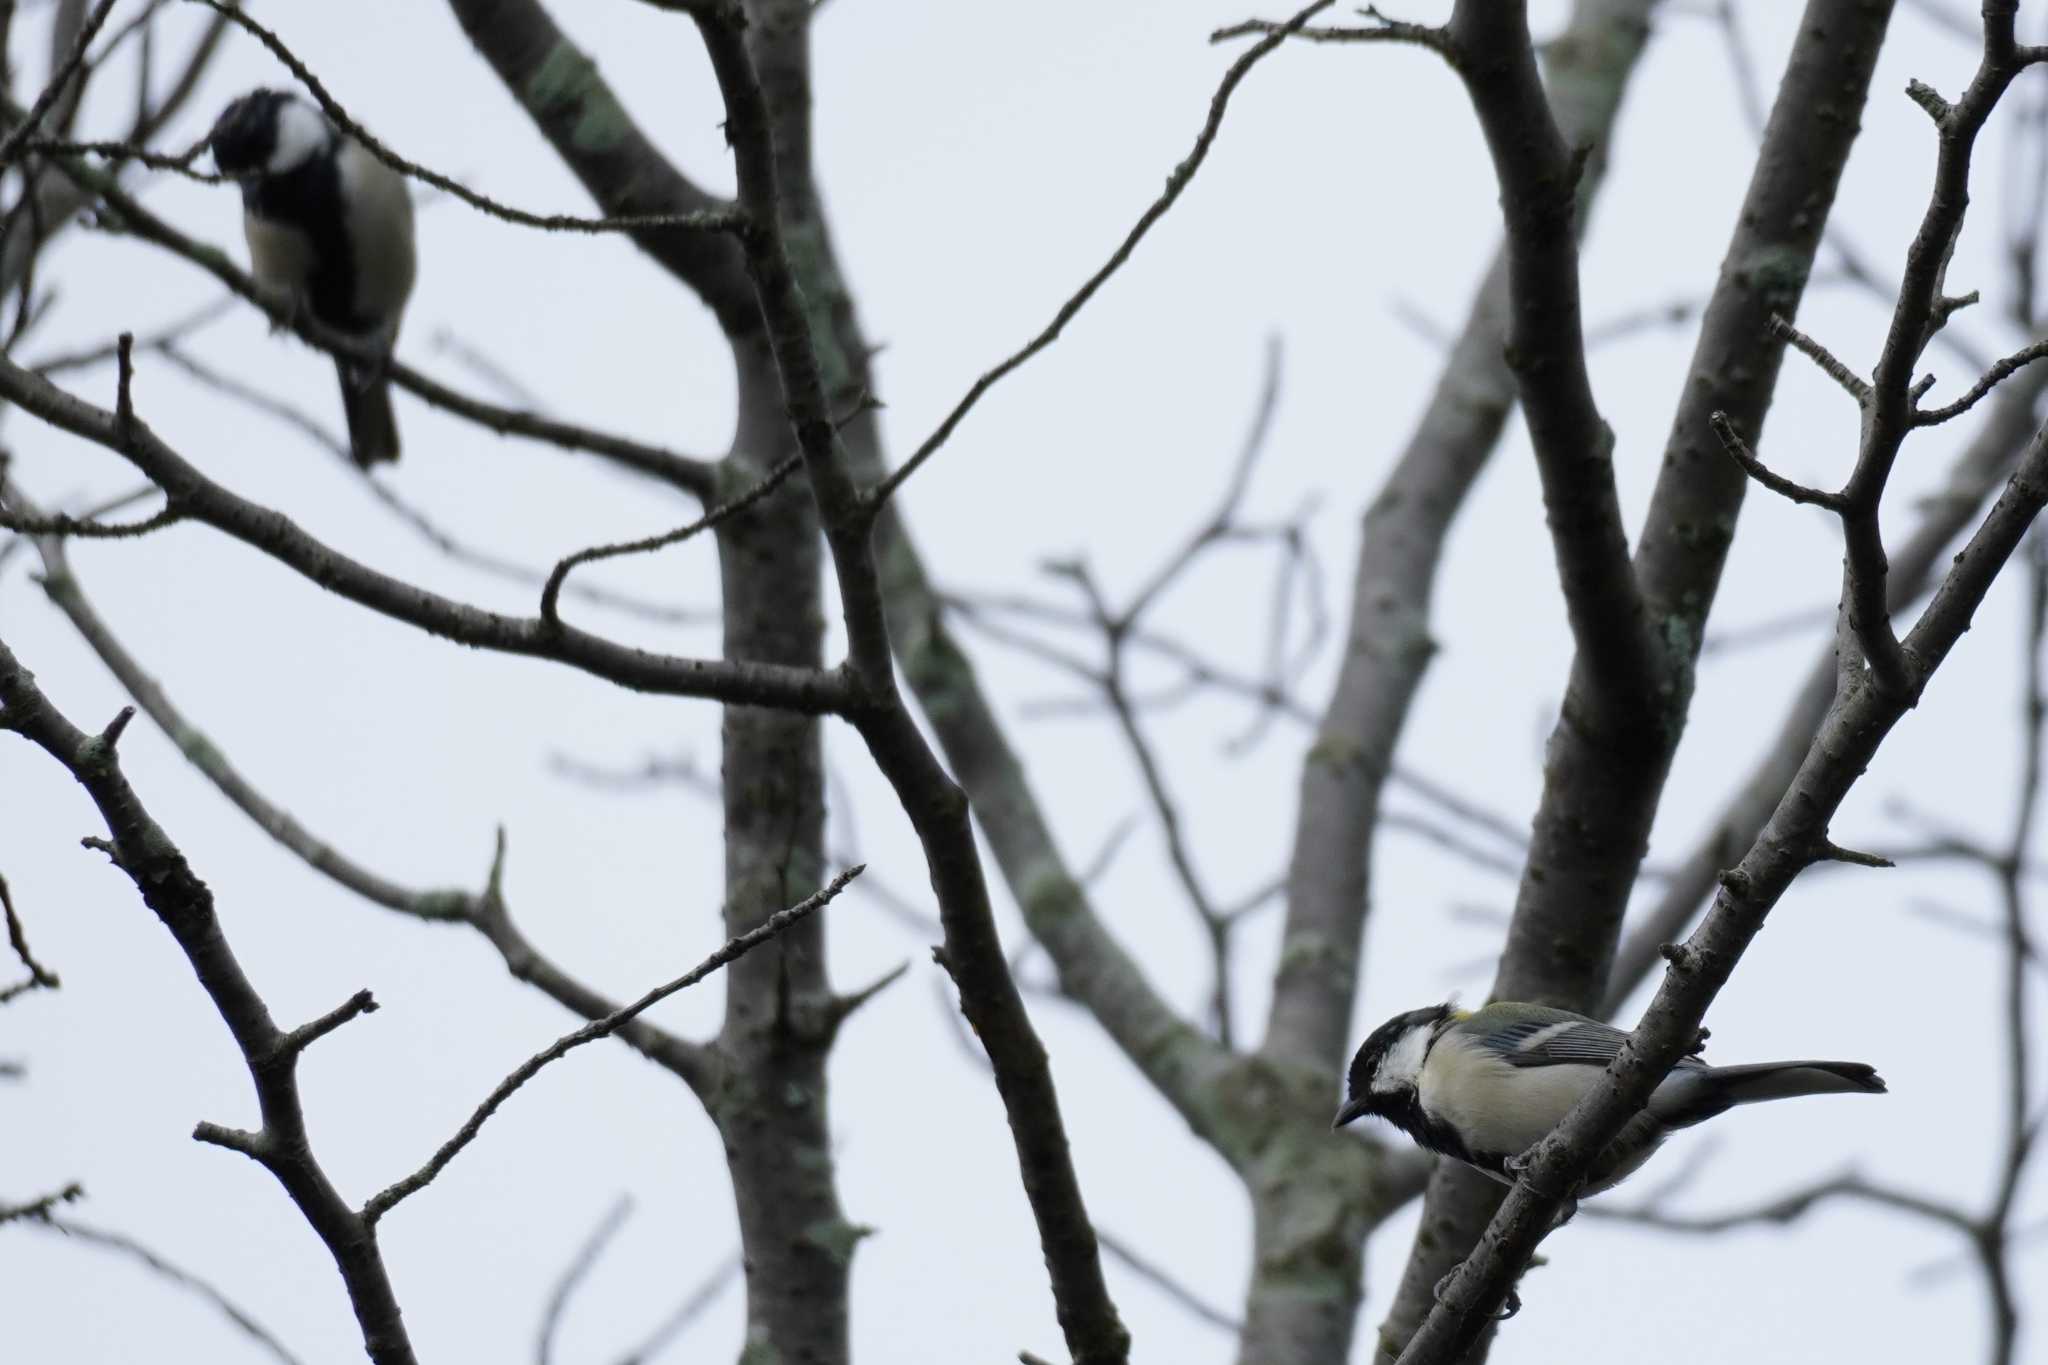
(1606, 762)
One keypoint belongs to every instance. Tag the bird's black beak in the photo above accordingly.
(1356, 1107)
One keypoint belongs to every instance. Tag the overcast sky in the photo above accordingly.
(978, 162)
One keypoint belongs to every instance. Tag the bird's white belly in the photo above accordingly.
(280, 255)
(1498, 1108)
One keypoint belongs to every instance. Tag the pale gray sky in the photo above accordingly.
(979, 161)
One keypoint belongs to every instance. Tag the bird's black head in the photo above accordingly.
(244, 140)
(1383, 1071)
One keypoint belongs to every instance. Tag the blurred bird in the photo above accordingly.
(1484, 1086)
(330, 229)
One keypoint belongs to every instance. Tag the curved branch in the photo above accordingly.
(560, 89)
(54, 89)
(39, 978)
(574, 1274)
(1739, 451)
(144, 851)
(382, 1202)
(1997, 374)
(1384, 30)
(1546, 349)
(1976, 476)
(696, 477)
(1603, 775)
(937, 809)
(798, 689)
(1790, 841)
(1176, 182)
(1921, 309)
(1790, 1207)
(177, 1275)
(551, 590)
(713, 220)
(486, 911)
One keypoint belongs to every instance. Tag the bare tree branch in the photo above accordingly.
(382, 1202)
(1538, 175)
(695, 477)
(703, 220)
(1977, 474)
(1999, 372)
(58, 84)
(39, 1209)
(1790, 842)
(686, 1313)
(39, 976)
(1604, 771)
(174, 1274)
(410, 516)
(1165, 1283)
(573, 1275)
(1922, 308)
(1176, 183)
(761, 684)
(144, 851)
(937, 808)
(551, 591)
(485, 911)
(1787, 1208)
(1383, 30)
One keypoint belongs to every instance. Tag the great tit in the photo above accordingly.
(330, 229)
(1484, 1086)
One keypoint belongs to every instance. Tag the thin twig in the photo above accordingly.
(261, 400)
(551, 591)
(382, 1202)
(10, 146)
(39, 976)
(486, 912)
(277, 536)
(451, 343)
(1739, 451)
(575, 1272)
(39, 1209)
(1177, 182)
(700, 1297)
(167, 884)
(1385, 30)
(85, 528)
(1853, 384)
(1790, 1207)
(128, 215)
(1160, 1279)
(174, 1274)
(177, 163)
(159, 341)
(1464, 850)
(1999, 372)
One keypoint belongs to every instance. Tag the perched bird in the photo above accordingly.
(1485, 1086)
(330, 229)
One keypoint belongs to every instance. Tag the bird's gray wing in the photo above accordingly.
(1558, 1041)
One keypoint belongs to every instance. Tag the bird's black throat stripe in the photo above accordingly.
(308, 200)
(1405, 1112)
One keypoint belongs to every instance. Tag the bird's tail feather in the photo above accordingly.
(372, 425)
(1690, 1098)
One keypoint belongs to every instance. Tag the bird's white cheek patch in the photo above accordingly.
(301, 134)
(1402, 1065)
